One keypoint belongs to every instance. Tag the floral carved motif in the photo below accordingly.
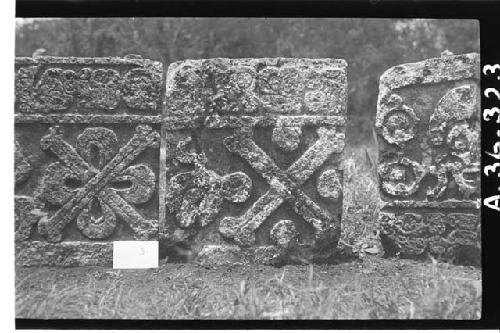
(429, 165)
(85, 179)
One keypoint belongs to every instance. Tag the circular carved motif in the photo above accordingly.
(243, 79)
(103, 140)
(99, 88)
(283, 233)
(463, 141)
(411, 223)
(435, 223)
(329, 185)
(401, 177)
(399, 125)
(136, 83)
(236, 187)
(100, 227)
(287, 137)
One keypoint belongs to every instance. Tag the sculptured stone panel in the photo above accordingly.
(250, 158)
(428, 129)
(86, 157)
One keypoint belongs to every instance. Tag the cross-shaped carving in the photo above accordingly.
(96, 181)
(284, 185)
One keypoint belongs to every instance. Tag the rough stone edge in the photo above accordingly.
(429, 71)
(279, 61)
(65, 254)
(446, 204)
(69, 118)
(162, 180)
(216, 122)
(173, 68)
(218, 255)
(117, 61)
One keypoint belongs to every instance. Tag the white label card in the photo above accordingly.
(135, 254)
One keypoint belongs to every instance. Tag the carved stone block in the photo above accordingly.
(428, 125)
(86, 157)
(250, 157)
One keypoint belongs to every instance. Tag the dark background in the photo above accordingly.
(370, 46)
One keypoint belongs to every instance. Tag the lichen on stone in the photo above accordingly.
(83, 185)
(197, 196)
(281, 86)
(82, 85)
(22, 165)
(84, 178)
(27, 213)
(98, 88)
(401, 177)
(142, 89)
(301, 102)
(431, 161)
(287, 137)
(65, 254)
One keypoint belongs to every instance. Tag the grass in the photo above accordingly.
(373, 288)
(361, 202)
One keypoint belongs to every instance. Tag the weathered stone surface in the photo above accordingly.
(26, 215)
(87, 155)
(256, 87)
(244, 145)
(284, 233)
(47, 85)
(217, 255)
(22, 165)
(429, 169)
(74, 253)
(329, 185)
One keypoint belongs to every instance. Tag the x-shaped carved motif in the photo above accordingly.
(284, 185)
(98, 180)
